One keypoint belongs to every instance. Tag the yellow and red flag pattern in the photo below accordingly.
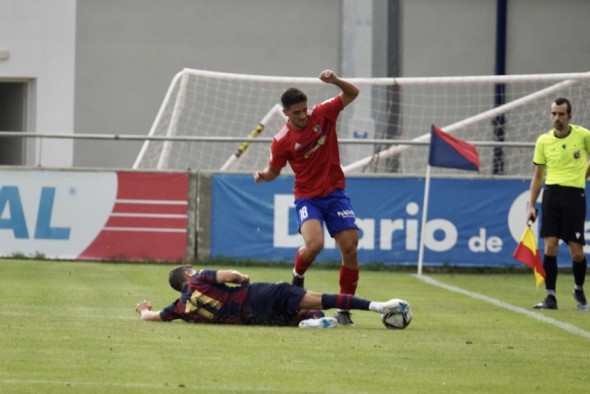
(527, 252)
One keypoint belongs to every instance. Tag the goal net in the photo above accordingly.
(212, 121)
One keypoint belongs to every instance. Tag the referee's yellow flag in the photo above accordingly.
(527, 252)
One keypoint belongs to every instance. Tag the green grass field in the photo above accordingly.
(69, 327)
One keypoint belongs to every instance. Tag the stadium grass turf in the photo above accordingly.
(70, 327)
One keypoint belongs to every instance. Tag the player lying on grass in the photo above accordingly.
(206, 297)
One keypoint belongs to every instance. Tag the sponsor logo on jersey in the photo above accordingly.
(321, 141)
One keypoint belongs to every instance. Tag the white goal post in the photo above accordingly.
(205, 115)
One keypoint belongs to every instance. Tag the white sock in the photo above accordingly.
(375, 306)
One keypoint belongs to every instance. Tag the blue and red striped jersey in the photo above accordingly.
(204, 300)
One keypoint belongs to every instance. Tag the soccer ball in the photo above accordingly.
(397, 320)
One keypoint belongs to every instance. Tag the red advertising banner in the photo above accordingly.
(131, 216)
(148, 220)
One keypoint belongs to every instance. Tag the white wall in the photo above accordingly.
(458, 37)
(40, 36)
(448, 38)
(128, 51)
(547, 36)
(103, 66)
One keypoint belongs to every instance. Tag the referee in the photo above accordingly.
(561, 153)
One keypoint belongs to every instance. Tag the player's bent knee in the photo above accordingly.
(312, 249)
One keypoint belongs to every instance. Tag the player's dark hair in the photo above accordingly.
(292, 96)
(176, 277)
(563, 100)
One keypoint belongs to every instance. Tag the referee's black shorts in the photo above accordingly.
(563, 213)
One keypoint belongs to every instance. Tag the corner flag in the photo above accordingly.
(527, 252)
(445, 151)
(451, 152)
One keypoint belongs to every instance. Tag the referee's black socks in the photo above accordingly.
(579, 270)
(550, 266)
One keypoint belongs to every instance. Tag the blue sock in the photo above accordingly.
(344, 301)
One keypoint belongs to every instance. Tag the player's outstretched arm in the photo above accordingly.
(349, 90)
(266, 175)
(144, 308)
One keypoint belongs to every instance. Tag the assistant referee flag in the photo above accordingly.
(451, 152)
(527, 252)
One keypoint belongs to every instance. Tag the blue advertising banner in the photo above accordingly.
(470, 222)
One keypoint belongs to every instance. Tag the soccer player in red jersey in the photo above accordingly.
(308, 142)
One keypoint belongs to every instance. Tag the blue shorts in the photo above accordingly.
(334, 210)
(272, 304)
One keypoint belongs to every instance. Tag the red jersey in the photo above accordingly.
(312, 152)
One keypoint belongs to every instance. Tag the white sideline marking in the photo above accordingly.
(535, 315)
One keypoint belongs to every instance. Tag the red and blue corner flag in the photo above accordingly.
(451, 152)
